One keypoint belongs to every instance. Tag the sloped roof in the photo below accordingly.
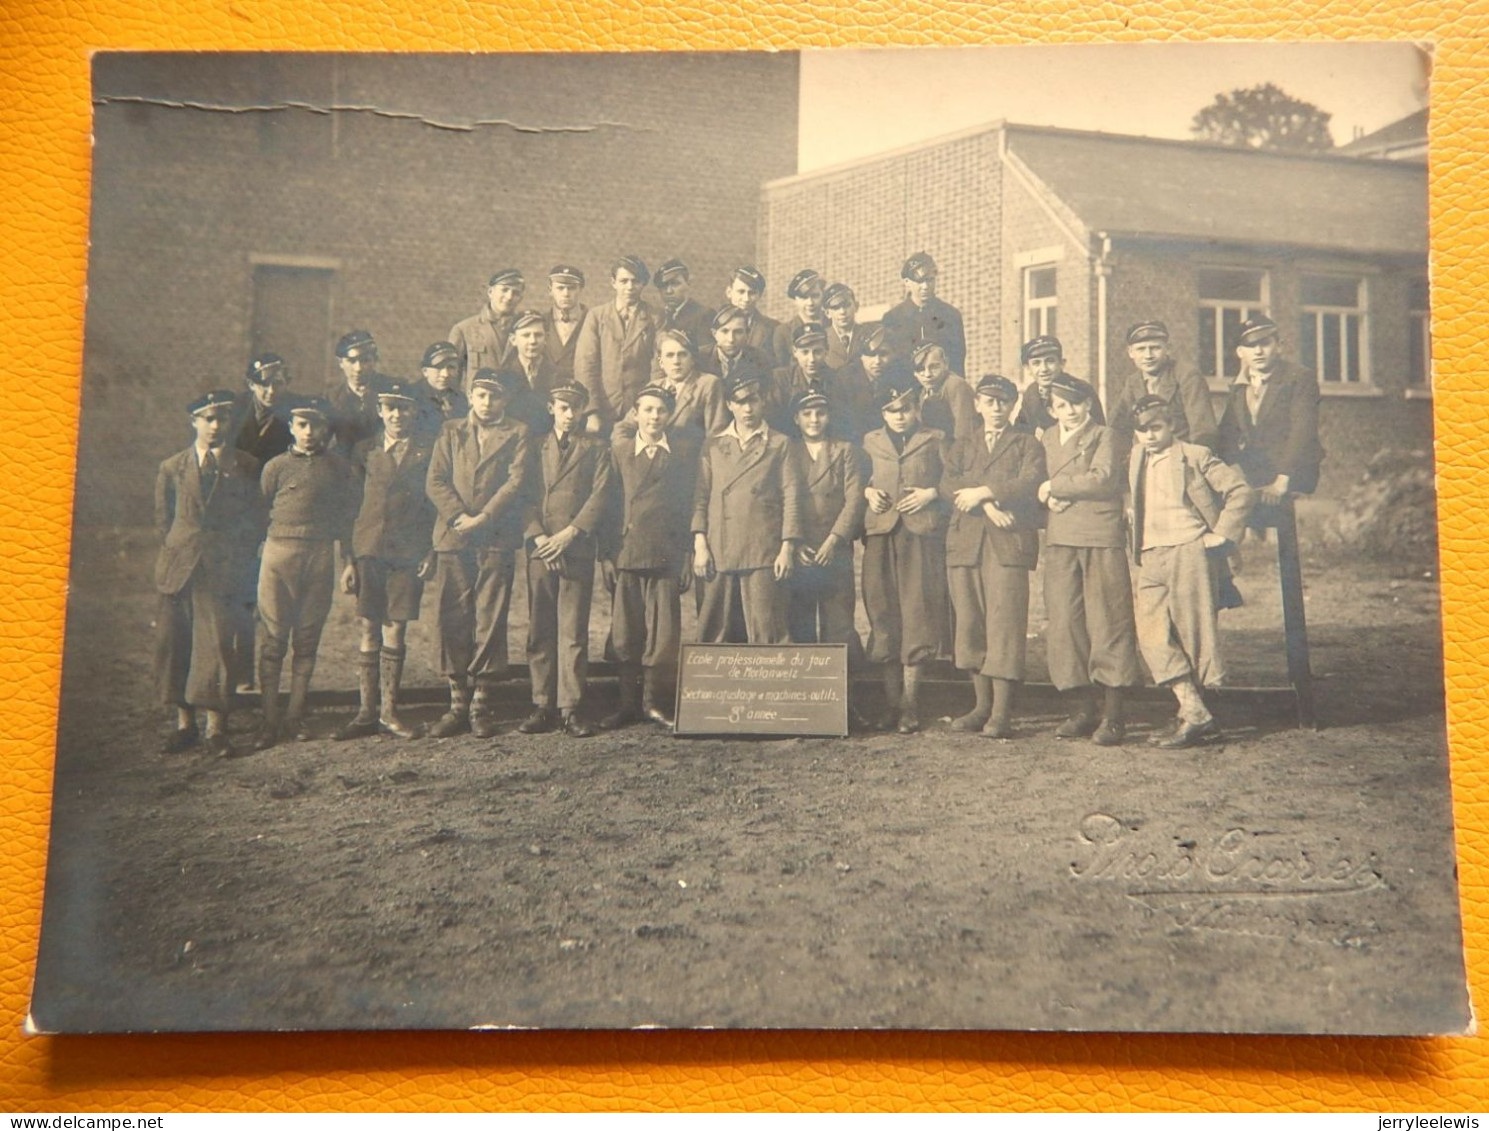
(1408, 133)
(1187, 190)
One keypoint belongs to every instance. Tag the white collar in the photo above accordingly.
(733, 430)
(642, 445)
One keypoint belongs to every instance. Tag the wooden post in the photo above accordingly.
(1294, 621)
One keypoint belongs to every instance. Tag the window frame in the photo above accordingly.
(1341, 386)
(1039, 311)
(1225, 360)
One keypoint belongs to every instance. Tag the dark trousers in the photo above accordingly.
(819, 607)
(194, 665)
(558, 604)
(990, 608)
(754, 597)
(1092, 634)
(646, 618)
(473, 592)
(904, 594)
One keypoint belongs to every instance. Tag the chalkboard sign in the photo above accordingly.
(779, 689)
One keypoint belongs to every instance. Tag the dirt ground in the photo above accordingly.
(1285, 881)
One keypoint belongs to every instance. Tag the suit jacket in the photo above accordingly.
(530, 405)
(1086, 469)
(262, 439)
(939, 322)
(483, 341)
(1283, 440)
(1217, 492)
(855, 405)
(435, 408)
(493, 483)
(748, 503)
(783, 343)
(574, 489)
(832, 502)
(921, 464)
(1033, 413)
(952, 408)
(700, 406)
(693, 319)
(838, 354)
(1189, 395)
(209, 534)
(710, 360)
(656, 503)
(558, 351)
(786, 382)
(354, 418)
(396, 519)
(762, 335)
(1014, 469)
(613, 361)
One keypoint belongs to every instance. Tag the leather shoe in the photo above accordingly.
(970, 723)
(217, 746)
(657, 715)
(357, 728)
(483, 725)
(541, 721)
(575, 727)
(1191, 734)
(397, 728)
(623, 717)
(909, 721)
(181, 740)
(265, 739)
(1082, 725)
(299, 730)
(1165, 732)
(998, 728)
(450, 724)
(1109, 733)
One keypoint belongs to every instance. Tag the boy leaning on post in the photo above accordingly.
(390, 558)
(1188, 509)
(210, 517)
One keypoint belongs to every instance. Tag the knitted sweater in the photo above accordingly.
(311, 496)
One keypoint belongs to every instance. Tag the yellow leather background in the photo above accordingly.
(44, 151)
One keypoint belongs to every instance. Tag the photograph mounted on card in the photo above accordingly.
(554, 550)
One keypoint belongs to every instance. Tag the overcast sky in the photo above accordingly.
(855, 103)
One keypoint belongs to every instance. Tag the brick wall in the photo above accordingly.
(602, 155)
(859, 223)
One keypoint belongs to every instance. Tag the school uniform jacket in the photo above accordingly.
(1283, 439)
(1086, 469)
(855, 405)
(435, 407)
(1189, 396)
(906, 325)
(762, 336)
(840, 354)
(654, 531)
(833, 501)
(494, 484)
(354, 416)
(483, 341)
(266, 437)
(692, 318)
(558, 351)
(211, 532)
(950, 407)
(575, 490)
(748, 503)
(700, 405)
(1014, 469)
(614, 361)
(396, 519)
(920, 465)
(1217, 492)
(1033, 414)
(530, 404)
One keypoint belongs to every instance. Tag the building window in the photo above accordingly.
(1041, 305)
(1419, 335)
(1332, 335)
(1227, 297)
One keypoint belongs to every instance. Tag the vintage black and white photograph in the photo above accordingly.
(914, 539)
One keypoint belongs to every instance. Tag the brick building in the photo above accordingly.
(252, 202)
(1081, 234)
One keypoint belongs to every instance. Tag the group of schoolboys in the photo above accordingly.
(737, 456)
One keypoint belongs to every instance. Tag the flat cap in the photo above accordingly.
(1150, 407)
(396, 390)
(501, 381)
(676, 335)
(803, 282)
(564, 273)
(810, 397)
(919, 267)
(750, 277)
(1046, 345)
(1257, 328)
(574, 394)
(838, 294)
(1149, 331)
(266, 368)
(726, 315)
(898, 389)
(635, 265)
(874, 340)
(357, 343)
(506, 277)
(810, 334)
(661, 392)
(672, 269)
(526, 318)
(923, 350)
(439, 354)
(217, 398)
(745, 379)
(312, 406)
(998, 386)
(1072, 389)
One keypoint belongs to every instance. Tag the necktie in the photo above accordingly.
(991, 438)
(651, 451)
(399, 450)
(209, 472)
(1254, 393)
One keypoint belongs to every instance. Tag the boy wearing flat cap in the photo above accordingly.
(478, 480)
(746, 521)
(699, 396)
(565, 316)
(679, 312)
(945, 397)
(648, 563)
(844, 334)
(571, 505)
(1188, 509)
(353, 400)
(904, 548)
(1091, 636)
(1043, 359)
(728, 347)
(820, 595)
(536, 374)
(1156, 374)
(483, 340)
(209, 515)
(391, 557)
(313, 496)
(922, 317)
(807, 371)
(856, 400)
(991, 486)
(438, 392)
(616, 346)
(1269, 429)
(805, 290)
(742, 293)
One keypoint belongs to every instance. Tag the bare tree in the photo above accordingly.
(1264, 117)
